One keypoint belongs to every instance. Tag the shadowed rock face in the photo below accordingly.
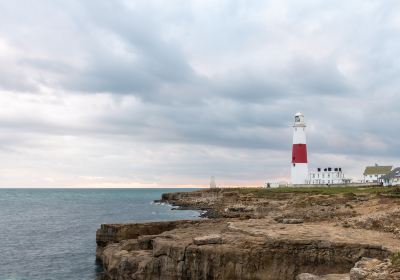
(252, 249)
(242, 248)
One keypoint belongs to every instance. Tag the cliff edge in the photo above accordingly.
(257, 234)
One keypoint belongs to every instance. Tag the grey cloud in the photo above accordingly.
(221, 78)
(155, 61)
(13, 77)
(309, 78)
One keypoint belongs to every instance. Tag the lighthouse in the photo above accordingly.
(299, 151)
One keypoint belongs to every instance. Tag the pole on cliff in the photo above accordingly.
(213, 185)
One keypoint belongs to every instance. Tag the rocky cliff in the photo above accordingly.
(279, 236)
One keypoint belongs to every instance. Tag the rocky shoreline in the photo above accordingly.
(260, 234)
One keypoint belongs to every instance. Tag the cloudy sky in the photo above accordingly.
(167, 93)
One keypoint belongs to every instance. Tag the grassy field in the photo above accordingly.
(264, 192)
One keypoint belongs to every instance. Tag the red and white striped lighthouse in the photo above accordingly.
(299, 151)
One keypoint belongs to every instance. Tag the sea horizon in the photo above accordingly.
(50, 233)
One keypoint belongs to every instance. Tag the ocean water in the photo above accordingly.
(50, 234)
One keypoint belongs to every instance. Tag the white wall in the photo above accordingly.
(299, 173)
(299, 135)
(372, 178)
(326, 177)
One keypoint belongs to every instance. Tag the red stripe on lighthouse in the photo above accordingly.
(299, 153)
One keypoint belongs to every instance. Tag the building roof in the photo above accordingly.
(377, 169)
(392, 174)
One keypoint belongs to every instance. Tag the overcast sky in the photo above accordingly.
(168, 93)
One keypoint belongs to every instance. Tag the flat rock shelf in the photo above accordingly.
(253, 236)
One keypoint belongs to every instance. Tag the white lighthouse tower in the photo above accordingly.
(299, 151)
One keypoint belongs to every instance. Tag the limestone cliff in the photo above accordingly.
(279, 237)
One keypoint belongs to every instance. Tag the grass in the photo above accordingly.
(264, 192)
(395, 259)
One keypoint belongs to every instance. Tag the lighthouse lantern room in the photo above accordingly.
(299, 151)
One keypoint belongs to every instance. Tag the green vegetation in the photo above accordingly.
(395, 259)
(395, 192)
(264, 192)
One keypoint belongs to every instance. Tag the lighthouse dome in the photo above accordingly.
(299, 119)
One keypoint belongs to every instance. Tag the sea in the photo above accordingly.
(51, 233)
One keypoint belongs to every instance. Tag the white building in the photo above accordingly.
(373, 173)
(275, 184)
(392, 178)
(299, 170)
(327, 176)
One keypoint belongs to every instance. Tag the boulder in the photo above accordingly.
(370, 269)
(208, 239)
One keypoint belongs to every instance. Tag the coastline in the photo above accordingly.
(259, 234)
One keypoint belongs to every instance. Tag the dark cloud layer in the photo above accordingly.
(172, 93)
